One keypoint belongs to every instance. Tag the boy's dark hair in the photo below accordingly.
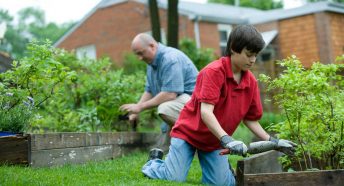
(244, 36)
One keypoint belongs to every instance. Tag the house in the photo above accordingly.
(109, 28)
(312, 32)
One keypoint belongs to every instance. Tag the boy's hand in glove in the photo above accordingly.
(285, 146)
(232, 146)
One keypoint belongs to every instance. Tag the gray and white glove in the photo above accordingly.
(285, 146)
(235, 147)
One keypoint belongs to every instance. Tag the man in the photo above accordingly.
(226, 93)
(171, 78)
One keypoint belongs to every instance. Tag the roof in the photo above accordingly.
(279, 14)
(195, 11)
(225, 14)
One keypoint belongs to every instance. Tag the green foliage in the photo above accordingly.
(15, 119)
(313, 103)
(30, 83)
(31, 26)
(200, 57)
(132, 64)
(270, 119)
(259, 4)
(90, 103)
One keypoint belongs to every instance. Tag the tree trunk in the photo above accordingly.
(172, 33)
(155, 20)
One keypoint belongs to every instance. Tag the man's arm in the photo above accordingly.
(147, 102)
(257, 129)
(157, 100)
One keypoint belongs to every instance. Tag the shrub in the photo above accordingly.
(312, 101)
(31, 82)
(199, 56)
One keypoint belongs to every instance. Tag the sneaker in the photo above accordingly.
(155, 153)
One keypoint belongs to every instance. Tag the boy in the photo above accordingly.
(226, 93)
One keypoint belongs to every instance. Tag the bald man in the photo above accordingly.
(171, 78)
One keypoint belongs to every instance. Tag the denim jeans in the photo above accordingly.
(215, 168)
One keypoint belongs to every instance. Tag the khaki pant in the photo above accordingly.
(173, 108)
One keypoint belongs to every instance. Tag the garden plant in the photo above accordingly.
(312, 101)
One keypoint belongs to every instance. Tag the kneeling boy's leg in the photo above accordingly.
(215, 168)
(176, 164)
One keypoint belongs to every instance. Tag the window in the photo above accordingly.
(224, 31)
(88, 51)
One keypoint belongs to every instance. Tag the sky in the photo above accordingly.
(61, 11)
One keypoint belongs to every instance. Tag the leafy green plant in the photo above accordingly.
(31, 82)
(91, 102)
(312, 101)
(199, 56)
(269, 119)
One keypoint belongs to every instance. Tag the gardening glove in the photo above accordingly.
(285, 146)
(234, 146)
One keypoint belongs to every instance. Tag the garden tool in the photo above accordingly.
(284, 146)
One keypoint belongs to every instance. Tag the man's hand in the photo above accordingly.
(131, 108)
(232, 146)
(133, 118)
(285, 146)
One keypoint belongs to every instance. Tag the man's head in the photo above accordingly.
(145, 47)
(243, 46)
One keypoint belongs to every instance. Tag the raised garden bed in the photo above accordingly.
(41, 150)
(264, 169)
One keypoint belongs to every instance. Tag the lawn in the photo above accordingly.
(121, 171)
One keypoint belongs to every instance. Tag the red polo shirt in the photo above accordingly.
(233, 102)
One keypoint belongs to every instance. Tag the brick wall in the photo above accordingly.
(337, 34)
(298, 36)
(112, 29)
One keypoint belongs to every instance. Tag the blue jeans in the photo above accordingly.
(215, 168)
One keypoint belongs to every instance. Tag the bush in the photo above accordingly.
(30, 83)
(200, 57)
(313, 104)
(269, 119)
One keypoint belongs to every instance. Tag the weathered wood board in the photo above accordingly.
(264, 169)
(14, 149)
(40, 150)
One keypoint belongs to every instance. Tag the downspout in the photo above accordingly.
(196, 30)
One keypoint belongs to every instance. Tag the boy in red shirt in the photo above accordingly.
(226, 93)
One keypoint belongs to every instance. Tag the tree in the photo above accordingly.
(155, 20)
(31, 25)
(259, 4)
(172, 33)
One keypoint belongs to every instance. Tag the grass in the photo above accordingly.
(121, 171)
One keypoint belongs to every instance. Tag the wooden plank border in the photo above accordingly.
(264, 169)
(41, 150)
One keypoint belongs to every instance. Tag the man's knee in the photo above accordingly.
(168, 113)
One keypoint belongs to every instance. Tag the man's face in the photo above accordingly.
(243, 61)
(144, 53)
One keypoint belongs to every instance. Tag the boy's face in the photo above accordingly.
(243, 61)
